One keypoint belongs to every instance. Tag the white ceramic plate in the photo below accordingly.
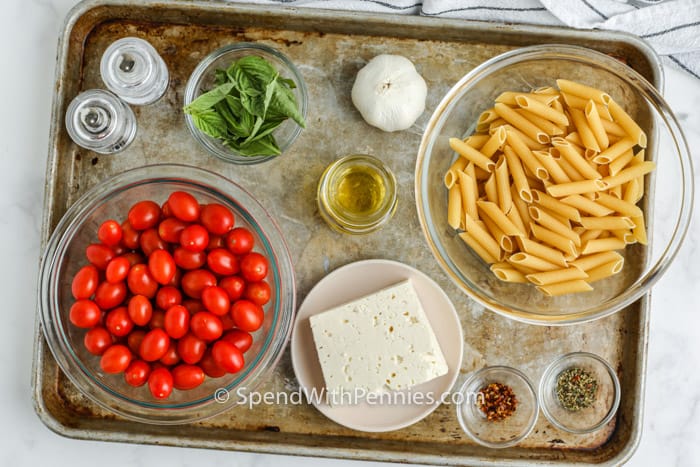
(356, 280)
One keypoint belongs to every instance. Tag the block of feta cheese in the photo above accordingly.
(377, 343)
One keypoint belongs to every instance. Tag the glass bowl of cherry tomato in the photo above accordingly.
(167, 294)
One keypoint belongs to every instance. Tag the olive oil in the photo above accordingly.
(359, 190)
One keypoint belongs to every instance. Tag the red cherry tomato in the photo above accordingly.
(85, 313)
(193, 306)
(206, 326)
(184, 206)
(234, 287)
(110, 233)
(227, 356)
(85, 282)
(222, 261)
(117, 269)
(215, 299)
(157, 320)
(191, 348)
(118, 322)
(193, 282)
(254, 267)
(100, 255)
(144, 215)
(160, 383)
(141, 282)
(130, 236)
(187, 376)
(171, 356)
(189, 260)
(134, 340)
(149, 241)
(140, 310)
(177, 321)
(194, 238)
(175, 281)
(162, 266)
(115, 359)
(137, 373)
(258, 292)
(215, 241)
(97, 340)
(210, 367)
(110, 295)
(165, 210)
(170, 229)
(154, 345)
(241, 339)
(168, 296)
(247, 315)
(239, 241)
(227, 321)
(217, 218)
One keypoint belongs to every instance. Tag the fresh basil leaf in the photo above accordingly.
(210, 123)
(284, 103)
(266, 129)
(207, 100)
(266, 146)
(289, 82)
(220, 77)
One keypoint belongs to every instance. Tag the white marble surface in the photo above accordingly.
(28, 33)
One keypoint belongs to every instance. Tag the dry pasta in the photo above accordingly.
(546, 189)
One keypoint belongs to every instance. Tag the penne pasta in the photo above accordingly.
(584, 131)
(508, 97)
(581, 90)
(548, 127)
(553, 239)
(477, 141)
(564, 288)
(542, 110)
(490, 189)
(605, 270)
(487, 116)
(505, 201)
(596, 125)
(628, 174)
(576, 188)
(472, 154)
(586, 205)
(503, 240)
(590, 235)
(588, 262)
(607, 223)
(542, 251)
(623, 119)
(620, 162)
(469, 193)
(454, 207)
(612, 128)
(521, 123)
(556, 173)
(553, 204)
(577, 161)
(477, 247)
(614, 151)
(531, 261)
(618, 205)
(525, 155)
(556, 276)
(577, 102)
(492, 211)
(483, 237)
(602, 244)
(549, 222)
(507, 274)
(639, 231)
(515, 168)
(494, 142)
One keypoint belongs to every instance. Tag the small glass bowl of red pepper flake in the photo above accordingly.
(497, 406)
(579, 392)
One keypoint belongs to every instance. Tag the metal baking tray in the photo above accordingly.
(329, 47)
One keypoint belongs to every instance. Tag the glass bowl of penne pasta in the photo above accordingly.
(554, 184)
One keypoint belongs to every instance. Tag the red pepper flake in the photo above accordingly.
(497, 401)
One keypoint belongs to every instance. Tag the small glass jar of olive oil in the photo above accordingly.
(357, 194)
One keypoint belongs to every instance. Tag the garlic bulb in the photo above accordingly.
(389, 93)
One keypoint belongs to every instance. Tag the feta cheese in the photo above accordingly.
(377, 343)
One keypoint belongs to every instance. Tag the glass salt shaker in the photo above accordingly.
(132, 69)
(100, 121)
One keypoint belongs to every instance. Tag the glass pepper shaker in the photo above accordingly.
(99, 121)
(132, 69)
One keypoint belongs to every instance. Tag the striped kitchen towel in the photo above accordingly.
(672, 27)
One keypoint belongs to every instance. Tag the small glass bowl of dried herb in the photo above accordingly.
(579, 392)
(245, 103)
(497, 406)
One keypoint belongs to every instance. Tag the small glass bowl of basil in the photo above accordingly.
(245, 103)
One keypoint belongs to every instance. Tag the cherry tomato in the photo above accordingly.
(206, 326)
(130, 236)
(187, 376)
(170, 229)
(118, 322)
(183, 206)
(85, 282)
(171, 356)
(140, 310)
(149, 241)
(210, 367)
(234, 287)
(154, 345)
(110, 233)
(134, 258)
(193, 282)
(115, 359)
(239, 241)
(157, 320)
(100, 255)
(241, 339)
(168, 296)
(192, 305)
(134, 340)
(85, 313)
(191, 348)
(117, 269)
(247, 315)
(227, 321)
(227, 356)
(216, 218)
(222, 261)
(177, 321)
(137, 373)
(160, 383)
(165, 210)
(97, 340)
(194, 238)
(110, 295)
(162, 266)
(144, 215)
(258, 292)
(189, 259)
(215, 241)
(254, 267)
(141, 282)
(177, 277)
(215, 299)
